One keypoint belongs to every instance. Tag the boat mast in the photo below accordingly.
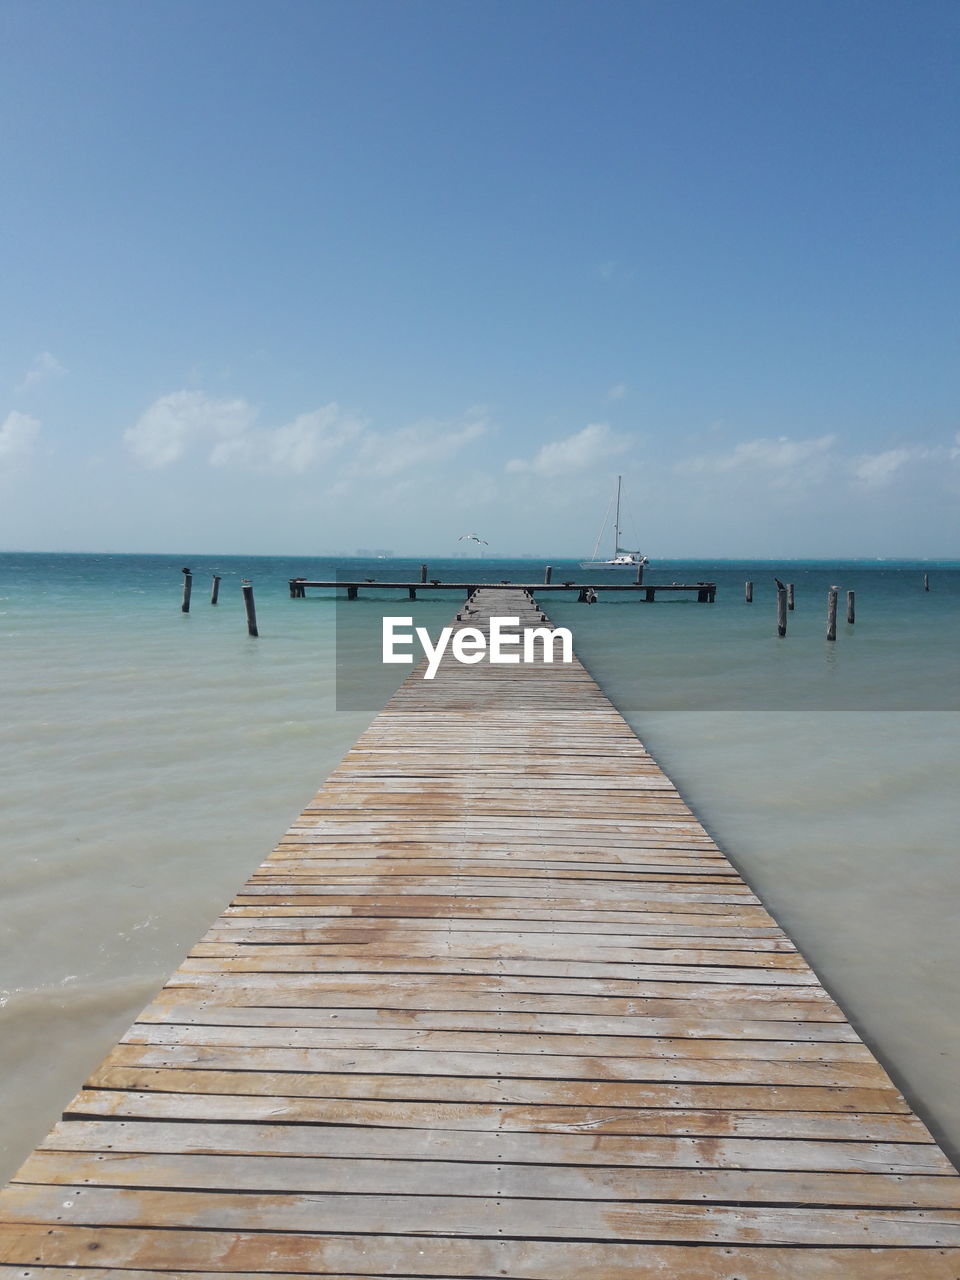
(616, 526)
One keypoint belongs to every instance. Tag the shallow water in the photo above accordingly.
(150, 760)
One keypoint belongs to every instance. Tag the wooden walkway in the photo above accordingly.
(495, 1006)
(706, 592)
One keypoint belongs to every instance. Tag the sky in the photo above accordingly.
(298, 276)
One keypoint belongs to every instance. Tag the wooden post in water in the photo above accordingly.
(748, 592)
(790, 595)
(250, 608)
(781, 611)
(547, 574)
(423, 573)
(412, 592)
(851, 607)
(187, 588)
(215, 589)
(832, 613)
(640, 568)
(926, 582)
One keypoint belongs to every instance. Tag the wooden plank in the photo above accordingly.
(495, 1063)
(537, 1044)
(503, 1091)
(679, 1121)
(524, 1147)
(498, 1180)
(491, 962)
(481, 1216)
(239, 1255)
(177, 1008)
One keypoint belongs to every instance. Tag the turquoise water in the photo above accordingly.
(151, 759)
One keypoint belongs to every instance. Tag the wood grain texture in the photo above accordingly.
(496, 1005)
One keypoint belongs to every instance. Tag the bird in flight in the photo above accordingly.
(472, 537)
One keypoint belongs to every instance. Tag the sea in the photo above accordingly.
(151, 759)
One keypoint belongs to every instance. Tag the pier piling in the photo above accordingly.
(781, 611)
(547, 574)
(187, 589)
(832, 613)
(215, 589)
(748, 592)
(250, 608)
(790, 596)
(851, 607)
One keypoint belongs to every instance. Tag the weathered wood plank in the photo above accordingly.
(177, 1008)
(523, 1147)
(496, 1063)
(238, 1255)
(681, 1121)
(502, 1180)
(537, 1044)
(481, 1216)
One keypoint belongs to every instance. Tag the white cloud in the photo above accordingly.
(173, 423)
(44, 366)
(228, 431)
(293, 447)
(616, 393)
(578, 452)
(877, 469)
(781, 461)
(390, 453)
(17, 436)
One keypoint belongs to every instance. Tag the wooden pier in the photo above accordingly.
(706, 592)
(496, 1006)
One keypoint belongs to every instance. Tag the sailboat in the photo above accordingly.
(621, 559)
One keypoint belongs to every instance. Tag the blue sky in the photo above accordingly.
(304, 275)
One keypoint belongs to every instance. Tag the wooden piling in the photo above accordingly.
(412, 592)
(781, 611)
(187, 589)
(249, 608)
(352, 592)
(640, 568)
(790, 595)
(851, 607)
(748, 592)
(926, 582)
(832, 613)
(547, 574)
(215, 589)
(423, 573)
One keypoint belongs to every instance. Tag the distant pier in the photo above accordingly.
(706, 592)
